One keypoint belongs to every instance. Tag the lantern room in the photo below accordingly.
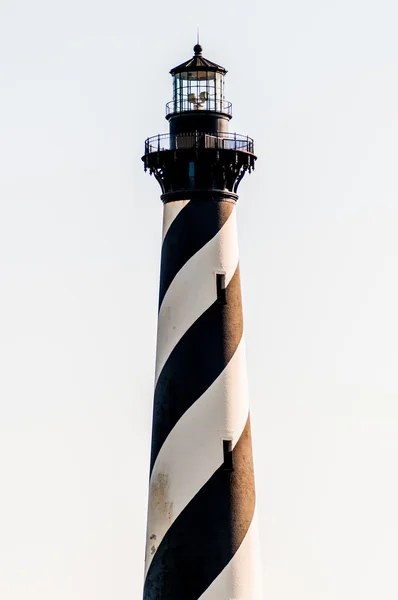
(198, 85)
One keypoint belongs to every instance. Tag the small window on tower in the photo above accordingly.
(227, 447)
(220, 283)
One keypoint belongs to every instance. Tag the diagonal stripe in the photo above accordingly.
(241, 578)
(170, 212)
(196, 361)
(193, 451)
(207, 534)
(192, 228)
(193, 289)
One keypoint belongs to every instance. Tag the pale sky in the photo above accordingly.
(82, 84)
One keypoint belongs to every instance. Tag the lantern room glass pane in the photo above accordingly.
(219, 91)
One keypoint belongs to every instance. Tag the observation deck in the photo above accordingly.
(197, 140)
(199, 164)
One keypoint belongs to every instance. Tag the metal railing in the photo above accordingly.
(186, 141)
(176, 106)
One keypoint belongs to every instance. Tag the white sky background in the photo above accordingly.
(82, 84)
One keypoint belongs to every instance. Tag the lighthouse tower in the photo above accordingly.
(201, 533)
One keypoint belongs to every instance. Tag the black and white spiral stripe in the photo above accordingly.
(201, 537)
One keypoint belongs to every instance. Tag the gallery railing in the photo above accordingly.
(177, 106)
(185, 141)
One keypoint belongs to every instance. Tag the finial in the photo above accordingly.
(197, 48)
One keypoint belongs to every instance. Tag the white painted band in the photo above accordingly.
(170, 212)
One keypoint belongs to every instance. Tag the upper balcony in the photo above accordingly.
(201, 102)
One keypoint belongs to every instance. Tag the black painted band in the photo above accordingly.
(193, 227)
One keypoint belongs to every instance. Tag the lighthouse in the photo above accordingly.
(201, 530)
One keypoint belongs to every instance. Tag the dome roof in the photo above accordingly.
(198, 63)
